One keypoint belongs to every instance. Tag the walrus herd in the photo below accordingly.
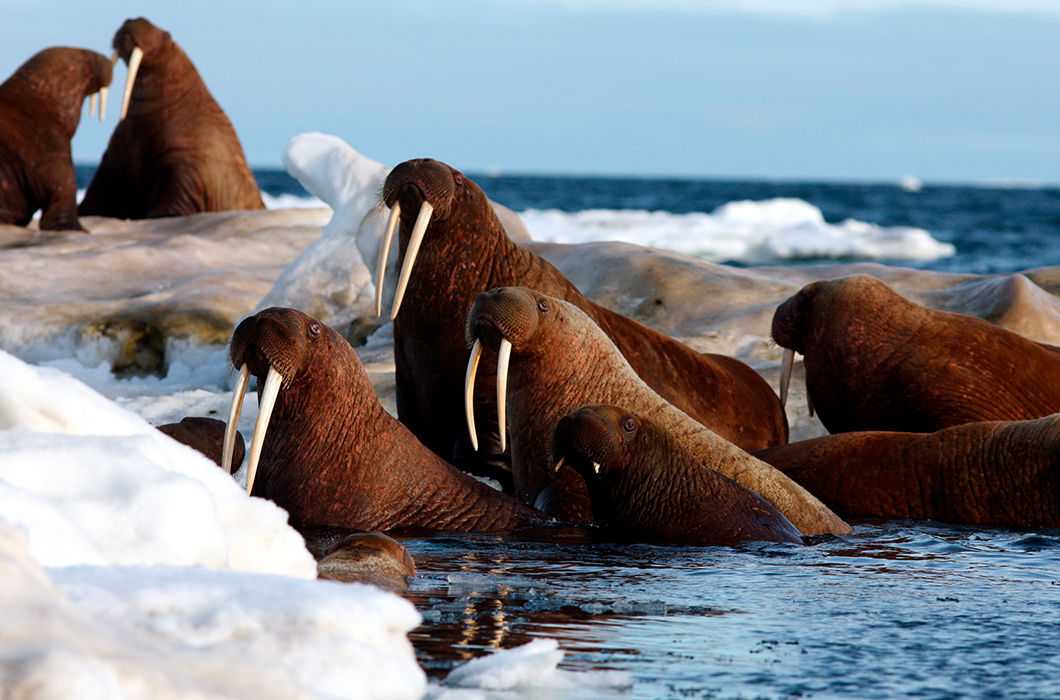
(582, 417)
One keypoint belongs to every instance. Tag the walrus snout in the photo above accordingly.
(137, 32)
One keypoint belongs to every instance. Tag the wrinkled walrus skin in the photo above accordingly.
(205, 435)
(876, 361)
(40, 108)
(333, 456)
(991, 474)
(465, 252)
(176, 153)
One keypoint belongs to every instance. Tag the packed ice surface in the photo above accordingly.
(745, 231)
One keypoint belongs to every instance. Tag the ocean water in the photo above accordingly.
(959, 228)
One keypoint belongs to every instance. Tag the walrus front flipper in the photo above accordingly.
(59, 212)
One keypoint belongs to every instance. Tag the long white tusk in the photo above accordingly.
(103, 92)
(469, 391)
(384, 252)
(420, 228)
(130, 79)
(785, 375)
(268, 400)
(233, 418)
(504, 355)
(559, 465)
(92, 101)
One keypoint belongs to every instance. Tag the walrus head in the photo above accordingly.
(594, 441)
(66, 76)
(285, 350)
(135, 39)
(435, 191)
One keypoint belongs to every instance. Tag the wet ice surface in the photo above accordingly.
(896, 609)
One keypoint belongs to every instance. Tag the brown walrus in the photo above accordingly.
(456, 249)
(207, 436)
(367, 557)
(876, 361)
(174, 152)
(40, 109)
(994, 473)
(327, 452)
(647, 486)
(560, 360)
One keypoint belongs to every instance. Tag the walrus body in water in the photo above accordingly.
(553, 359)
(876, 361)
(453, 247)
(646, 486)
(174, 152)
(993, 473)
(40, 109)
(328, 453)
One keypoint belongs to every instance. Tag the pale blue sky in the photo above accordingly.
(865, 89)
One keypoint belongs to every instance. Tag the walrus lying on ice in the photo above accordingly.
(555, 359)
(40, 108)
(328, 453)
(454, 247)
(174, 152)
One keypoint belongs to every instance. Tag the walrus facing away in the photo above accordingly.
(40, 109)
(174, 152)
(994, 473)
(207, 436)
(554, 359)
(367, 557)
(327, 452)
(453, 247)
(645, 485)
(876, 361)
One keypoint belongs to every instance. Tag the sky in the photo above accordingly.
(836, 89)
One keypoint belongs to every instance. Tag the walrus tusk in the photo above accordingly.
(92, 104)
(103, 92)
(130, 79)
(268, 399)
(469, 391)
(384, 253)
(233, 418)
(504, 355)
(559, 465)
(596, 467)
(785, 375)
(420, 228)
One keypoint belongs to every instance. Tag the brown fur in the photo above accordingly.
(207, 435)
(40, 108)
(334, 457)
(176, 153)
(561, 361)
(876, 361)
(997, 473)
(466, 252)
(368, 557)
(647, 486)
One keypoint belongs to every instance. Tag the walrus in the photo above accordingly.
(876, 361)
(40, 109)
(555, 359)
(368, 557)
(174, 152)
(998, 473)
(452, 239)
(328, 453)
(206, 435)
(645, 485)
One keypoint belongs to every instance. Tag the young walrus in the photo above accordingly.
(552, 360)
(453, 247)
(995, 473)
(876, 361)
(646, 486)
(327, 452)
(207, 436)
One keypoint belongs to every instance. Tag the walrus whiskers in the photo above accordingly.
(418, 231)
(504, 356)
(130, 79)
(384, 253)
(268, 400)
(469, 391)
(232, 428)
(785, 375)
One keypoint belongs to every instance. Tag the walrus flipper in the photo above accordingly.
(59, 211)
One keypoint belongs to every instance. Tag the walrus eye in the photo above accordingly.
(542, 306)
(629, 424)
(314, 329)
